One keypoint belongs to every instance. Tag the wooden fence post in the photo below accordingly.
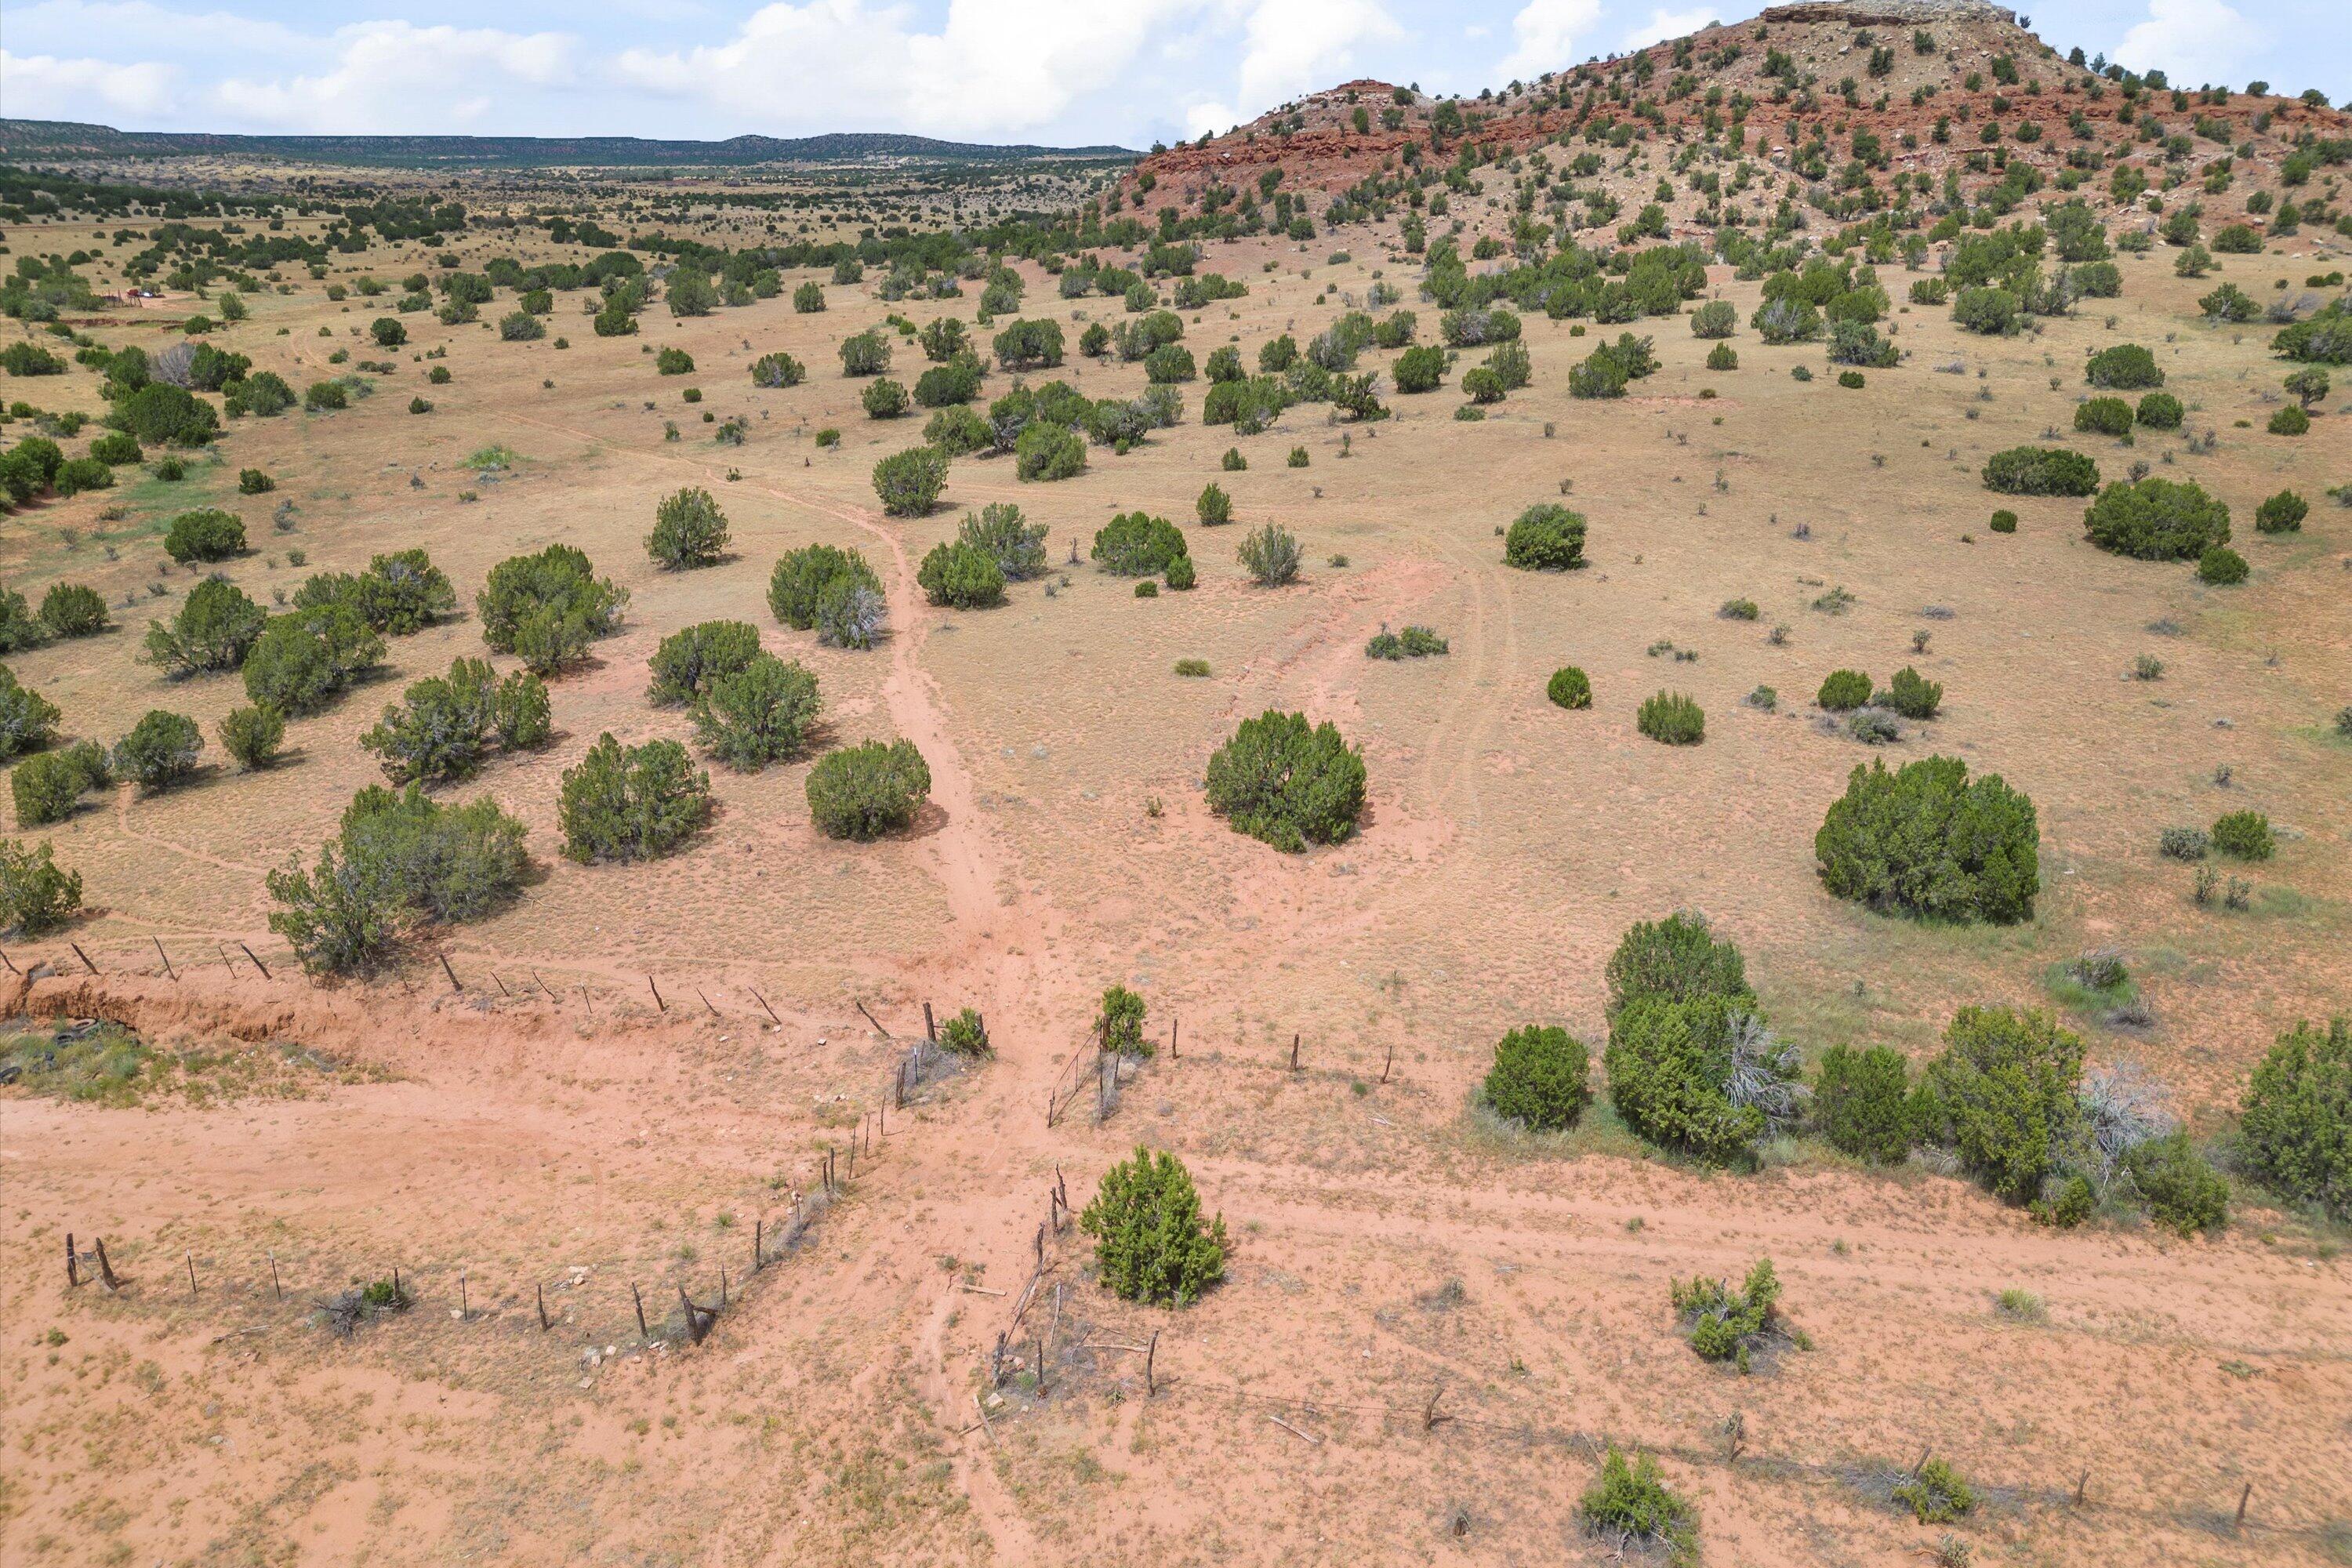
(105, 1268)
(930, 1029)
(257, 963)
(86, 964)
(544, 1324)
(2242, 1498)
(73, 1268)
(450, 972)
(1294, 1052)
(192, 1276)
(1150, 1354)
(276, 1290)
(637, 1295)
(164, 956)
(659, 1002)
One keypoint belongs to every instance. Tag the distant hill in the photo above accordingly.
(66, 139)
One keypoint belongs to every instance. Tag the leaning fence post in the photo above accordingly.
(450, 972)
(276, 1289)
(192, 1276)
(105, 1268)
(86, 964)
(2242, 1499)
(638, 1297)
(164, 956)
(1293, 1051)
(544, 1324)
(1150, 1354)
(657, 995)
(257, 963)
(73, 1268)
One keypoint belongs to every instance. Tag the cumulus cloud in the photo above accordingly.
(377, 76)
(1209, 119)
(1544, 36)
(2193, 40)
(1295, 46)
(1664, 24)
(43, 87)
(993, 65)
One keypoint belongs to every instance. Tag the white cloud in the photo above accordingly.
(994, 66)
(1544, 35)
(1297, 45)
(2192, 40)
(43, 87)
(1664, 24)
(387, 77)
(1209, 119)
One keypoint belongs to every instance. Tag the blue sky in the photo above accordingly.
(1057, 72)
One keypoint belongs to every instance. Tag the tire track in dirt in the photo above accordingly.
(1002, 926)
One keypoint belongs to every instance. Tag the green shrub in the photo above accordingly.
(1844, 690)
(71, 610)
(966, 1034)
(547, 609)
(1045, 451)
(1214, 506)
(910, 482)
(1287, 783)
(445, 726)
(1724, 1324)
(159, 752)
(252, 736)
(1913, 694)
(2182, 1190)
(2245, 835)
(1671, 718)
(1270, 554)
(159, 415)
(689, 659)
(1670, 1062)
(1544, 538)
(2040, 471)
(2156, 519)
(1137, 544)
(1570, 688)
(214, 626)
(2289, 421)
(36, 898)
(2221, 566)
(777, 370)
(1118, 1023)
(961, 574)
(958, 431)
(1926, 841)
(631, 804)
(400, 593)
(400, 859)
(674, 362)
(2004, 523)
(323, 396)
(28, 721)
(1862, 1102)
(866, 354)
(2125, 367)
(1723, 356)
(1538, 1078)
(884, 399)
(998, 531)
(1936, 1493)
(301, 661)
(803, 577)
(1716, 318)
(48, 786)
(2296, 1123)
(80, 474)
(756, 715)
(1232, 462)
(1419, 370)
(866, 791)
(2003, 1095)
(2281, 513)
(209, 534)
(116, 448)
(1150, 1243)
(689, 531)
(2159, 411)
(2103, 416)
(1677, 959)
(1631, 1502)
(1182, 576)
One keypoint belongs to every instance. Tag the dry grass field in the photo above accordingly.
(1432, 1324)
